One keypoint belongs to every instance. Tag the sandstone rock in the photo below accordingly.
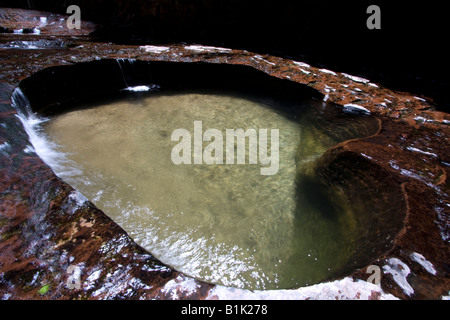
(46, 227)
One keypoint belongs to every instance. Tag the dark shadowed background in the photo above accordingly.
(409, 53)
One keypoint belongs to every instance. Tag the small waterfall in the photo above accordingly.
(31, 122)
(128, 70)
(126, 64)
(21, 102)
(121, 70)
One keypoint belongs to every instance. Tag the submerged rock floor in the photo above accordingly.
(40, 240)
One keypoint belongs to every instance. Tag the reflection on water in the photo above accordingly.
(224, 224)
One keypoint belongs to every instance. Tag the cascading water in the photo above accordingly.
(128, 65)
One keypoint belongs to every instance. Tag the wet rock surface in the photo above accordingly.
(22, 21)
(46, 226)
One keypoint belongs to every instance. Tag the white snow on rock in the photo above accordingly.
(420, 259)
(399, 272)
(206, 48)
(328, 71)
(413, 175)
(421, 151)
(421, 119)
(366, 156)
(262, 59)
(355, 108)
(355, 78)
(155, 49)
(304, 71)
(301, 64)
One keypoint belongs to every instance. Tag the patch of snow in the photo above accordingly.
(421, 151)
(262, 59)
(399, 272)
(328, 71)
(89, 283)
(366, 156)
(355, 108)
(304, 71)
(418, 98)
(301, 64)
(154, 49)
(373, 85)
(356, 79)
(393, 165)
(413, 175)
(199, 48)
(420, 259)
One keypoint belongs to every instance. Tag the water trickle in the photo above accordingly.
(126, 68)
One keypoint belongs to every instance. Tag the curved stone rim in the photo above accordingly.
(68, 90)
(413, 113)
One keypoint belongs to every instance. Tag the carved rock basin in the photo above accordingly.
(322, 216)
(48, 228)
